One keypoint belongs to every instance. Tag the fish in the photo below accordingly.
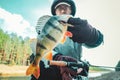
(51, 32)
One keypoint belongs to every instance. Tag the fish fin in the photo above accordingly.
(68, 33)
(63, 39)
(35, 70)
(49, 56)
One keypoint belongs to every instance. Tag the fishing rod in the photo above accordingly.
(104, 66)
(63, 63)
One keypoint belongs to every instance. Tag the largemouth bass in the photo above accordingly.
(51, 32)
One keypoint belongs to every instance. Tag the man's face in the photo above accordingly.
(63, 9)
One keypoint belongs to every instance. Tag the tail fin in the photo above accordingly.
(49, 56)
(35, 70)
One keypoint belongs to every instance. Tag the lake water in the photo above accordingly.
(15, 78)
(95, 74)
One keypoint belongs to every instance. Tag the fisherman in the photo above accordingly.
(83, 35)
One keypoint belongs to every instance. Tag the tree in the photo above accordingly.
(14, 49)
(3, 39)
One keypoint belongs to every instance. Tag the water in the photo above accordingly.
(96, 74)
(15, 78)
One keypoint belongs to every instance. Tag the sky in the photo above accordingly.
(21, 17)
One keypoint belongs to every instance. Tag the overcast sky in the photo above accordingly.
(20, 16)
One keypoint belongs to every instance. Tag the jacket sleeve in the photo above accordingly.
(85, 33)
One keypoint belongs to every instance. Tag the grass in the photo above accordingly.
(99, 69)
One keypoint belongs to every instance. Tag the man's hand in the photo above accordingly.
(82, 68)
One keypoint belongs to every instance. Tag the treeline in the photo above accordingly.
(14, 49)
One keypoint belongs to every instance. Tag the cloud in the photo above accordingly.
(10, 22)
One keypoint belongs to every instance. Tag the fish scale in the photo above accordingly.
(53, 33)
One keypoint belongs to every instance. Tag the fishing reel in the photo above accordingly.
(81, 64)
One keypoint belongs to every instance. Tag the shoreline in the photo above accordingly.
(12, 70)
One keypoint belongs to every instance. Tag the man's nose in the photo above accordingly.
(62, 11)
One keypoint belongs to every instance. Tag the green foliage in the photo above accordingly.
(3, 38)
(14, 49)
(98, 69)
